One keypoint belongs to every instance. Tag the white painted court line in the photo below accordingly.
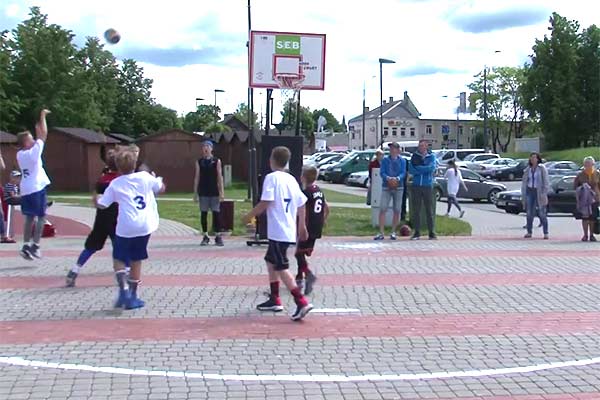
(21, 362)
(334, 310)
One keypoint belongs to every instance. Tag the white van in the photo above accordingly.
(406, 146)
(445, 155)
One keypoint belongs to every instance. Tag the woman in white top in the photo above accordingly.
(453, 182)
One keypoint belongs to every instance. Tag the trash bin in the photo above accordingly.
(227, 216)
(423, 215)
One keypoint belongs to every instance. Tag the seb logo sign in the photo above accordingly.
(287, 44)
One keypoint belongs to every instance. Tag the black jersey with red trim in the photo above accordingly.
(315, 211)
(107, 214)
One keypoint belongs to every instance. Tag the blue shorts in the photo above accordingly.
(34, 204)
(129, 250)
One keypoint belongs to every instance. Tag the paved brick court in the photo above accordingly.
(467, 318)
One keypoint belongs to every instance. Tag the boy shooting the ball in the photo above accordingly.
(134, 192)
(283, 201)
(33, 186)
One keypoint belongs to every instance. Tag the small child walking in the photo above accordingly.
(317, 212)
(283, 201)
(134, 192)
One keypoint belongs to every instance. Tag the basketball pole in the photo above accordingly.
(252, 168)
(298, 115)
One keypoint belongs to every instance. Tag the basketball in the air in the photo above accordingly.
(112, 36)
(405, 230)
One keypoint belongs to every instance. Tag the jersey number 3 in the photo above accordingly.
(139, 200)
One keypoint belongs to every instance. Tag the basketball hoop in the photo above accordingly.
(289, 85)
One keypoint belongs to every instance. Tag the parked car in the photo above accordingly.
(445, 155)
(359, 179)
(329, 160)
(511, 171)
(473, 160)
(485, 168)
(479, 187)
(562, 168)
(561, 198)
(315, 158)
(354, 162)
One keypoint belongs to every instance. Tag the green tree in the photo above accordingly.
(98, 72)
(588, 84)
(242, 113)
(44, 63)
(552, 91)
(333, 124)
(506, 112)
(9, 102)
(199, 120)
(133, 100)
(307, 122)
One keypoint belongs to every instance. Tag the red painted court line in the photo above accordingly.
(336, 253)
(565, 396)
(207, 280)
(261, 327)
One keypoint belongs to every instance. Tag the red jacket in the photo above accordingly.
(373, 164)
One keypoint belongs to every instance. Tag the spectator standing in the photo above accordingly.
(422, 167)
(534, 192)
(393, 170)
(589, 212)
(454, 181)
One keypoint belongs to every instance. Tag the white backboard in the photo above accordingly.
(289, 54)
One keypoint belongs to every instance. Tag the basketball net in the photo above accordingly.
(290, 86)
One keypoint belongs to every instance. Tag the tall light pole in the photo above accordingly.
(364, 118)
(197, 100)
(485, 104)
(218, 91)
(381, 62)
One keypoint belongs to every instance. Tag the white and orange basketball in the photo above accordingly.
(112, 36)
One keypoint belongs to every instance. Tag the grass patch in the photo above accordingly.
(342, 221)
(575, 155)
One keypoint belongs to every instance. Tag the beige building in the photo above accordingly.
(402, 122)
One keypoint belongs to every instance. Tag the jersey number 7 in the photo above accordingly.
(287, 204)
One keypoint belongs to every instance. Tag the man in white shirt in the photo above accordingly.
(33, 186)
(134, 192)
(283, 201)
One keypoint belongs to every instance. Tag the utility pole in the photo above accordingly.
(485, 109)
(364, 119)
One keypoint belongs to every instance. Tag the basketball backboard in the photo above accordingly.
(298, 57)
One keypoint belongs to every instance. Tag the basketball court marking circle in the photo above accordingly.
(21, 362)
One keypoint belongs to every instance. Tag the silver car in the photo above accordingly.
(478, 187)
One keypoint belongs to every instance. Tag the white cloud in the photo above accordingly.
(414, 33)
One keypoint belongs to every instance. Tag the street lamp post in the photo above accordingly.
(197, 100)
(218, 91)
(381, 62)
(364, 118)
(485, 104)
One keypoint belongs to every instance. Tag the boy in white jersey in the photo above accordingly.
(33, 186)
(134, 192)
(283, 201)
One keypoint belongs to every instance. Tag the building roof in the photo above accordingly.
(87, 135)
(154, 136)
(121, 137)
(6, 137)
(404, 108)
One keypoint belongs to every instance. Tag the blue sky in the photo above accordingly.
(192, 48)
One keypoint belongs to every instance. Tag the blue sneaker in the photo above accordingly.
(134, 302)
(123, 299)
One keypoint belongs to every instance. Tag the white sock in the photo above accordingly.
(75, 268)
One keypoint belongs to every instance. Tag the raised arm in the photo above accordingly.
(220, 184)
(196, 181)
(41, 128)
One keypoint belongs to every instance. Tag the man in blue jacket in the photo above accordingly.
(393, 170)
(422, 167)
